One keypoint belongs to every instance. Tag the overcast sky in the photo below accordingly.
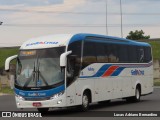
(24, 19)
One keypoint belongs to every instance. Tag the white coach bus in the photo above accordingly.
(76, 70)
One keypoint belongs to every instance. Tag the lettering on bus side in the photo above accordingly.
(137, 72)
(90, 69)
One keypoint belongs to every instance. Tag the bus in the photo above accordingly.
(78, 69)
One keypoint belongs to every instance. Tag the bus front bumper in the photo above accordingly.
(58, 102)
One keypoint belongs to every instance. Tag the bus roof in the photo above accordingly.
(65, 39)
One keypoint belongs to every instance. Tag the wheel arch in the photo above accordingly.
(89, 92)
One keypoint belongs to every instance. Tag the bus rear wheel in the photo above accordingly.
(137, 96)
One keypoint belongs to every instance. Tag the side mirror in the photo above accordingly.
(8, 60)
(63, 58)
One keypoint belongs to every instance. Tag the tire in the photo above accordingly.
(85, 102)
(137, 96)
(43, 110)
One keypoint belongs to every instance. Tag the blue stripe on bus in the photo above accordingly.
(82, 36)
(40, 93)
(118, 71)
(100, 72)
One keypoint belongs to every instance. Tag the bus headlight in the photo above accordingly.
(19, 97)
(55, 96)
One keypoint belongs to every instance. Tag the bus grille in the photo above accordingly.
(37, 99)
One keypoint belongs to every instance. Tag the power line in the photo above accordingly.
(81, 25)
(106, 17)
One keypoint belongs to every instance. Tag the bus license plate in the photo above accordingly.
(37, 104)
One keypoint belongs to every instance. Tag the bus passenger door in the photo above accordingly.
(70, 81)
(70, 94)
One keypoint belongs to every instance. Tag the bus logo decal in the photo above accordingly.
(90, 69)
(41, 43)
(137, 72)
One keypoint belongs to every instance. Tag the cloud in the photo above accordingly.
(31, 2)
(23, 33)
(33, 17)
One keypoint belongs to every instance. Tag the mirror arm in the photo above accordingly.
(8, 60)
(63, 58)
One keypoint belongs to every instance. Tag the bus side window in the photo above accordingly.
(111, 51)
(89, 54)
(147, 54)
(100, 53)
(132, 54)
(122, 53)
(141, 55)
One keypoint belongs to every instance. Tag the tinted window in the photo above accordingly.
(147, 54)
(140, 53)
(132, 54)
(101, 53)
(89, 53)
(122, 53)
(112, 54)
(74, 61)
(75, 47)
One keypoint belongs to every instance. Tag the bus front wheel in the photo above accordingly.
(85, 102)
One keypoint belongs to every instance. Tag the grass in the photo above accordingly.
(155, 49)
(6, 52)
(157, 82)
(6, 90)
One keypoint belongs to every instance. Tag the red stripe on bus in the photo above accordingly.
(110, 71)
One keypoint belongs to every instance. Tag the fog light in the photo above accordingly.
(59, 101)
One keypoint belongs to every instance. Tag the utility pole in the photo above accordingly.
(106, 19)
(121, 19)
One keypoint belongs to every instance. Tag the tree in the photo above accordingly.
(137, 35)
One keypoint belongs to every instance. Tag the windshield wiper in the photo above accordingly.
(36, 74)
(30, 78)
(39, 74)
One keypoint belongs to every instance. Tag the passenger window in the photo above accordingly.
(100, 53)
(89, 54)
(111, 51)
(147, 54)
(141, 55)
(132, 54)
(122, 53)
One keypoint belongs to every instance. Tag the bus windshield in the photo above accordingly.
(39, 68)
